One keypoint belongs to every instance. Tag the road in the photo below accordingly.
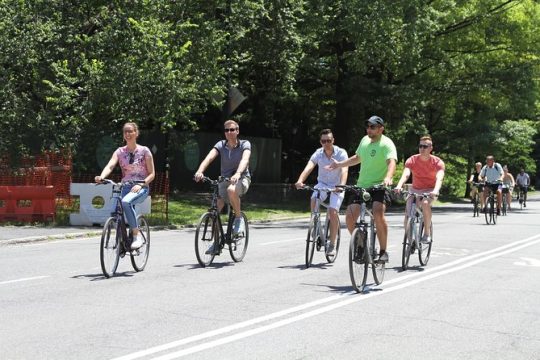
(478, 298)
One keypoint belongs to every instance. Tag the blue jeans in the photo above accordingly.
(129, 199)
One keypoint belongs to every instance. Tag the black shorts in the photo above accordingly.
(381, 196)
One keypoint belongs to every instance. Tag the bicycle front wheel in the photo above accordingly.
(476, 206)
(139, 257)
(206, 239)
(488, 207)
(407, 243)
(424, 250)
(238, 246)
(312, 238)
(109, 253)
(358, 266)
(493, 213)
(332, 258)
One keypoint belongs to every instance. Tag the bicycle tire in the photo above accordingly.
(139, 257)
(357, 270)
(238, 247)
(109, 252)
(424, 250)
(206, 235)
(407, 243)
(476, 207)
(333, 258)
(504, 206)
(377, 267)
(487, 211)
(493, 213)
(312, 238)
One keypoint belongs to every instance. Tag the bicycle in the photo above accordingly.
(490, 206)
(115, 240)
(318, 236)
(521, 196)
(414, 231)
(363, 247)
(210, 239)
(476, 199)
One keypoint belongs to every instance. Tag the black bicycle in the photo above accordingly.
(115, 239)
(318, 237)
(490, 207)
(521, 190)
(363, 247)
(414, 231)
(505, 206)
(210, 239)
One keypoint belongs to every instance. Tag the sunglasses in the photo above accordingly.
(230, 130)
(131, 158)
(372, 127)
(424, 146)
(326, 141)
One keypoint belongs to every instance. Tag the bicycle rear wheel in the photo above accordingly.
(238, 246)
(206, 236)
(358, 264)
(424, 250)
(109, 253)
(139, 257)
(377, 267)
(332, 258)
(312, 238)
(476, 206)
(407, 244)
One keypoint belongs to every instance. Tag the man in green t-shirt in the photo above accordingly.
(378, 156)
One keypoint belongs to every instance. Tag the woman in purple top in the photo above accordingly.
(137, 163)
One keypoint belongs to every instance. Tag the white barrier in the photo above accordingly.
(90, 215)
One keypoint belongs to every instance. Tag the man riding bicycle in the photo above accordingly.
(523, 181)
(234, 155)
(327, 179)
(378, 156)
(492, 173)
(428, 174)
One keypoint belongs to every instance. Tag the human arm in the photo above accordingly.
(199, 174)
(150, 169)
(108, 169)
(439, 176)
(304, 174)
(404, 177)
(242, 166)
(391, 163)
(351, 161)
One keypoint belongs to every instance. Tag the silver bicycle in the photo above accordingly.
(414, 231)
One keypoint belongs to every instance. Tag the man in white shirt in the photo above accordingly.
(492, 173)
(523, 181)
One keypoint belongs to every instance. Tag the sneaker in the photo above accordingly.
(211, 250)
(426, 239)
(383, 256)
(331, 249)
(238, 227)
(498, 212)
(137, 243)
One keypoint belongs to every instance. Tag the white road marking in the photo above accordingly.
(23, 279)
(528, 262)
(342, 300)
(282, 241)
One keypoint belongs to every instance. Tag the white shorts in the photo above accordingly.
(336, 198)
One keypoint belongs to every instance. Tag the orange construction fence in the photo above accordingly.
(27, 203)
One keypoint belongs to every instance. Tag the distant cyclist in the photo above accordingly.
(508, 185)
(327, 179)
(523, 181)
(428, 174)
(492, 173)
(378, 156)
(475, 179)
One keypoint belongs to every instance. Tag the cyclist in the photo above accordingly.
(508, 185)
(492, 173)
(523, 181)
(428, 174)
(137, 163)
(475, 178)
(327, 179)
(378, 156)
(234, 154)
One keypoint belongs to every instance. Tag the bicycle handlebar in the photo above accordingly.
(129, 182)
(220, 179)
(312, 188)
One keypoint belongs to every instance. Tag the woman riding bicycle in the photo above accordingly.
(137, 163)
(508, 185)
